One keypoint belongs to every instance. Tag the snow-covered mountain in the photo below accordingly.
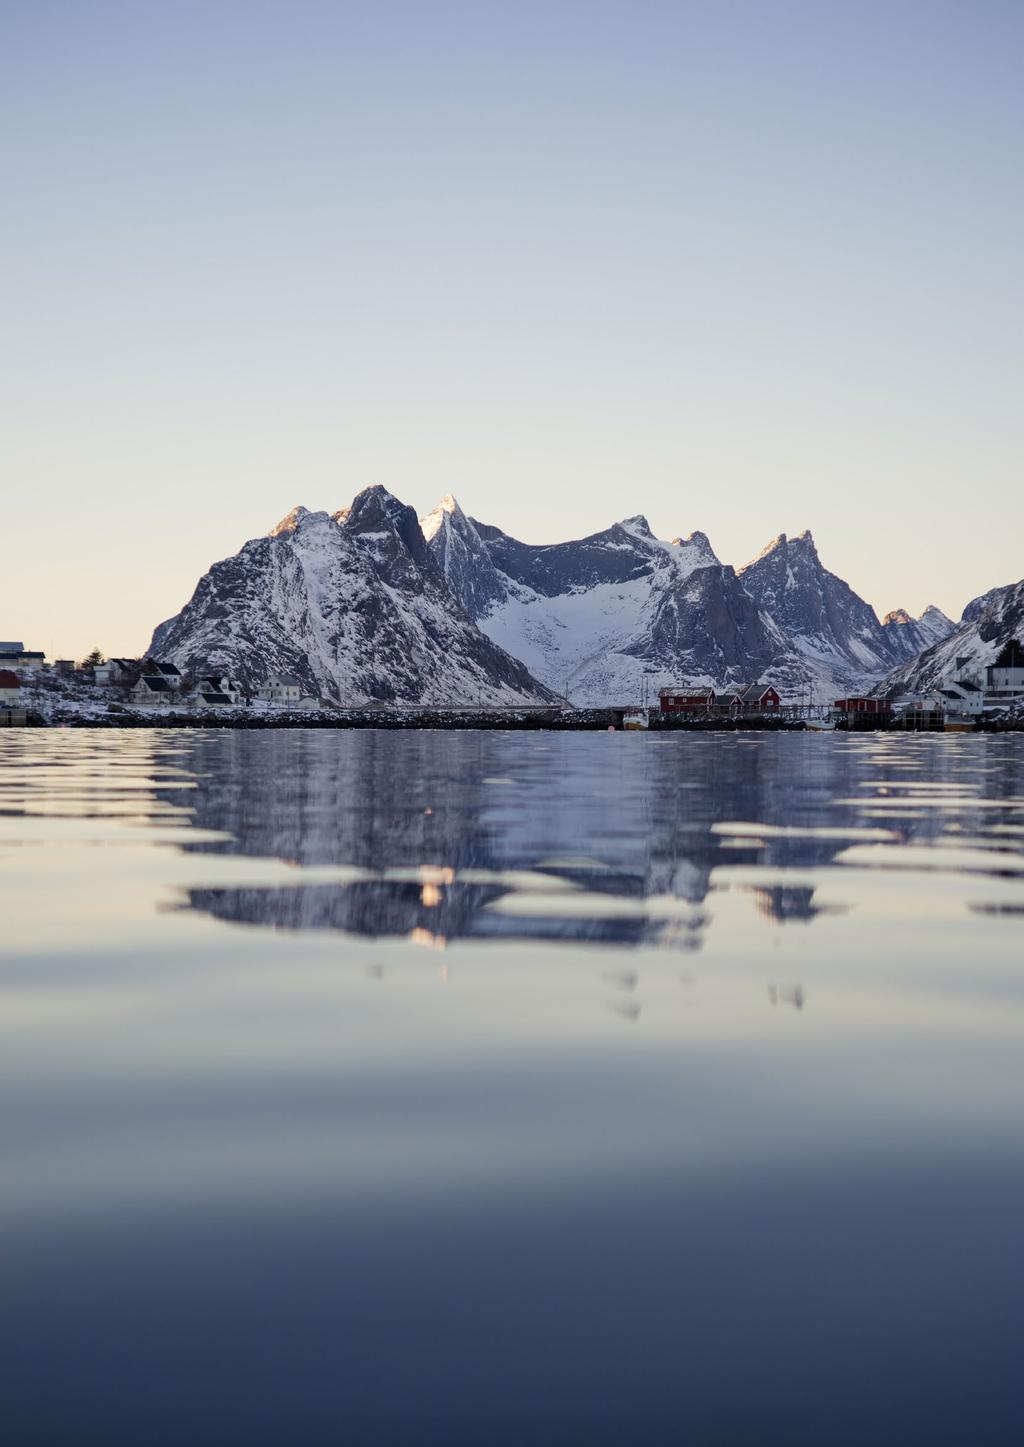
(600, 614)
(352, 604)
(370, 603)
(987, 625)
(910, 636)
(836, 643)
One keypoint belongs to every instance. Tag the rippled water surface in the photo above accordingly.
(369, 1087)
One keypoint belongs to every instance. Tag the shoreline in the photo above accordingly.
(588, 720)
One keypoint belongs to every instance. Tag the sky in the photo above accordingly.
(743, 267)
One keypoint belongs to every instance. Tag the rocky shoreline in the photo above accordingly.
(574, 721)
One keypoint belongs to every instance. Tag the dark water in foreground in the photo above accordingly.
(511, 1088)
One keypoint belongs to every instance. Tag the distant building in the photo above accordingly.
(16, 655)
(217, 698)
(170, 671)
(280, 688)
(218, 683)
(962, 696)
(858, 704)
(10, 686)
(1005, 677)
(152, 689)
(758, 698)
(64, 666)
(114, 670)
(749, 699)
(680, 699)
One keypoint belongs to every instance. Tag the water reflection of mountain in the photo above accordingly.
(617, 820)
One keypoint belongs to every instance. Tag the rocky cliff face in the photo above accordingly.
(353, 605)
(835, 642)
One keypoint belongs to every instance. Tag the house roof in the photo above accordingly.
(11, 653)
(169, 670)
(966, 683)
(9, 679)
(754, 690)
(215, 696)
(282, 680)
(155, 685)
(686, 691)
(10, 647)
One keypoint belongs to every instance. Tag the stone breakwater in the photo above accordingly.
(409, 718)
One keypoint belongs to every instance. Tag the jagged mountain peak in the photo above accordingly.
(638, 525)
(447, 510)
(289, 522)
(935, 613)
(778, 543)
(379, 518)
(375, 501)
(897, 616)
(695, 540)
(784, 548)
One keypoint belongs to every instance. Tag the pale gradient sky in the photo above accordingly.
(744, 267)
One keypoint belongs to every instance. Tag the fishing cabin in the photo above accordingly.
(686, 700)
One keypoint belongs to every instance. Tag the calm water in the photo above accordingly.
(511, 1088)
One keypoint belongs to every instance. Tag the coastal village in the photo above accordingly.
(112, 690)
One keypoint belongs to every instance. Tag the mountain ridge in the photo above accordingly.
(607, 611)
(372, 602)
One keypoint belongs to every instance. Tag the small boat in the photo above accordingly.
(635, 718)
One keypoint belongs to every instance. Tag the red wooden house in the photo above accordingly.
(862, 705)
(686, 700)
(758, 698)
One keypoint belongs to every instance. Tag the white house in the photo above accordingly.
(1005, 675)
(152, 689)
(963, 696)
(280, 688)
(170, 671)
(218, 683)
(113, 670)
(16, 655)
(10, 688)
